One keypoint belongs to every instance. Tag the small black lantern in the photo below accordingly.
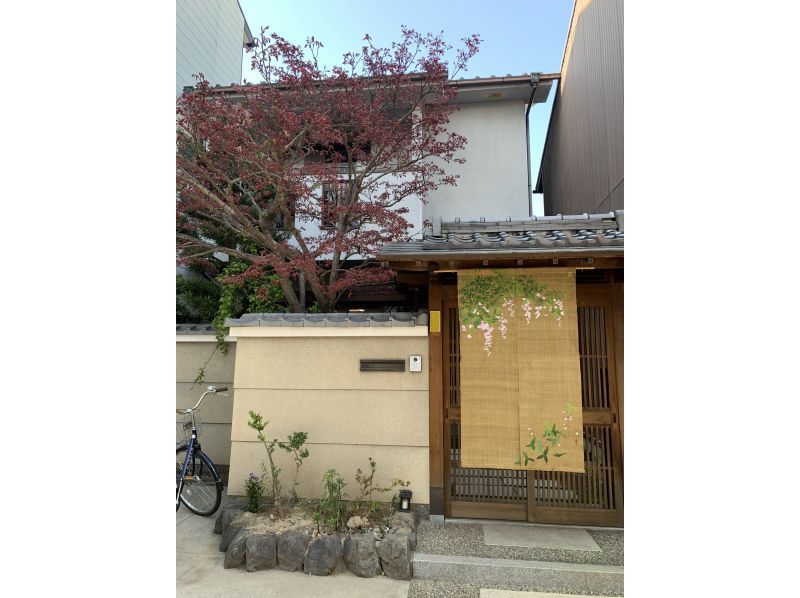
(405, 501)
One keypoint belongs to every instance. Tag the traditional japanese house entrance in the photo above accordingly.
(591, 498)
(594, 245)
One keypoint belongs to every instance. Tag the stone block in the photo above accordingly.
(412, 536)
(262, 552)
(360, 555)
(234, 555)
(395, 554)
(292, 547)
(324, 556)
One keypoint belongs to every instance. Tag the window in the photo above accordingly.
(333, 195)
(279, 222)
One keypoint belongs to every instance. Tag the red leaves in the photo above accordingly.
(251, 163)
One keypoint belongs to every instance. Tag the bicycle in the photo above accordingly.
(198, 485)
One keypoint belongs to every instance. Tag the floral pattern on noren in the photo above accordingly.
(486, 302)
(553, 437)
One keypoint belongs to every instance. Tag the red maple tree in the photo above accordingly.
(307, 173)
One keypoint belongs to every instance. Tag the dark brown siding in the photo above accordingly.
(582, 166)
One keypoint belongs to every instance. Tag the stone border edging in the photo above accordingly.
(326, 554)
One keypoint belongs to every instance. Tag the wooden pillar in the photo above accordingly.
(435, 398)
(617, 302)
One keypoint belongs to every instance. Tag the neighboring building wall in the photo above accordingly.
(191, 352)
(209, 40)
(313, 384)
(583, 162)
(493, 182)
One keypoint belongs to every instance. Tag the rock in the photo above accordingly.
(262, 552)
(234, 555)
(324, 556)
(235, 505)
(232, 522)
(412, 536)
(292, 547)
(227, 537)
(360, 556)
(355, 522)
(401, 519)
(225, 518)
(395, 553)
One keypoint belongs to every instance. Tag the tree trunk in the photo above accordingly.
(291, 296)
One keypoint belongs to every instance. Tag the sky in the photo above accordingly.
(519, 36)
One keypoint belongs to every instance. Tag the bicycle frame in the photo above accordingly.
(191, 447)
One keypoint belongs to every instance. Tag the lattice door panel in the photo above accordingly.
(592, 490)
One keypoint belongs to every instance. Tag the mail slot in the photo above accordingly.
(383, 365)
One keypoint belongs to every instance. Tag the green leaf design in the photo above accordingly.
(481, 297)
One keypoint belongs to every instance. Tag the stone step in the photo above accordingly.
(542, 576)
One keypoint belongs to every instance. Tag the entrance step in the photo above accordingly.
(539, 576)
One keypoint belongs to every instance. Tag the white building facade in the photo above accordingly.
(494, 182)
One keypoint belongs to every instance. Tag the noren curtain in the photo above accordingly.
(520, 369)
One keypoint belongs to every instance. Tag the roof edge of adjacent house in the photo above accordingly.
(247, 39)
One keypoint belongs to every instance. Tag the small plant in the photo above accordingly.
(254, 490)
(295, 448)
(366, 488)
(331, 505)
(259, 424)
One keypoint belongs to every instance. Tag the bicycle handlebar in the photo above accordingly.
(211, 390)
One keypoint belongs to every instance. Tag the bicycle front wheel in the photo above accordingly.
(202, 486)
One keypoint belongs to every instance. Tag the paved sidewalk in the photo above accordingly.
(199, 572)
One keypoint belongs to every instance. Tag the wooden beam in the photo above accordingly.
(414, 279)
(508, 262)
(477, 510)
(435, 403)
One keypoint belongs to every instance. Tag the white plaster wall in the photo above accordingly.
(209, 40)
(413, 216)
(493, 182)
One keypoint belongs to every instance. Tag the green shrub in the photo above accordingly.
(331, 505)
(254, 490)
(366, 488)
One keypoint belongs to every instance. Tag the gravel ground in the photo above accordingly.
(466, 539)
(426, 588)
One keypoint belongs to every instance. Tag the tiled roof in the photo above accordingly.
(194, 329)
(584, 233)
(396, 319)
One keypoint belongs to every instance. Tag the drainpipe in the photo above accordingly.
(534, 84)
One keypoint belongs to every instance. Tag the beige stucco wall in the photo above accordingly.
(313, 384)
(215, 412)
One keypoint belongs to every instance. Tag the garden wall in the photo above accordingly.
(194, 344)
(302, 373)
